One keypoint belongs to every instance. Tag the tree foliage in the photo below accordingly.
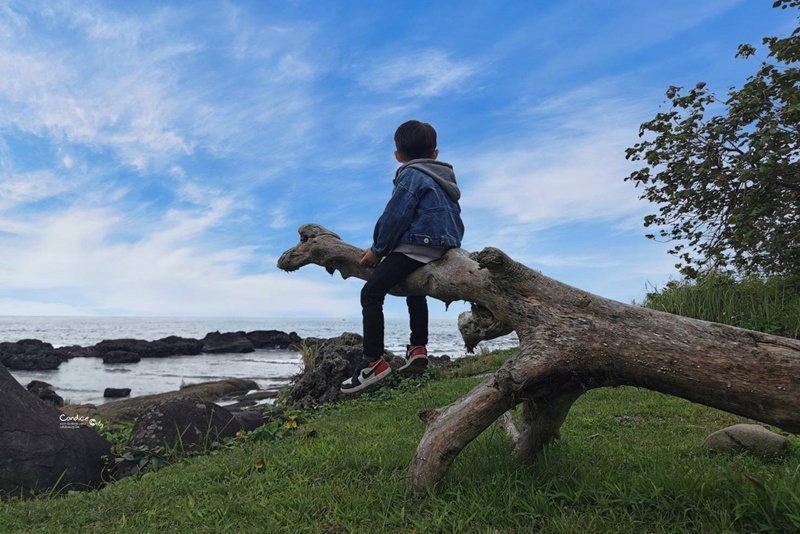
(728, 184)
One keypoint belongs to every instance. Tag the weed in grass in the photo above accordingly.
(309, 355)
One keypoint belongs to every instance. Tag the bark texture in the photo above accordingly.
(571, 341)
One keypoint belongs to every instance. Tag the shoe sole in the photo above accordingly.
(417, 365)
(364, 385)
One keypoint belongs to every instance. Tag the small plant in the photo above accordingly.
(274, 430)
(309, 354)
(117, 434)
(146, 459)
(283, 396)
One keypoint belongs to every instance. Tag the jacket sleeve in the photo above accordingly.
(396, 217)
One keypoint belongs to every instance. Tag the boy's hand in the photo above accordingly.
(369, 259)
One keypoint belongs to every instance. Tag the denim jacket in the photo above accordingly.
(423, 209)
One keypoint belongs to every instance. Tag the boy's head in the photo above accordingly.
(415, 140)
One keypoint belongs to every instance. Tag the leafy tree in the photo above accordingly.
(728, 185)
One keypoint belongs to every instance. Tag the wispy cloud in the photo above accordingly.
(25, 188)
(422, 73)
(140, 86)
(165, 271)
(568, 166)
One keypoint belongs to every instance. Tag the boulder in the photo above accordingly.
(188, 425)
(130, 346)
(116, 393)
(29, 355)
(121, 356)
(178, 346)
(124, 410)
(273, 339)
(46, 392)
(161, 348)
(256, 416)
(249, 419)
(229, 342)
(746, 438)
(41, 448)
(336, 361)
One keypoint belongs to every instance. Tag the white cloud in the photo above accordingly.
(169, 271)
(568, 165)
(279, 218)
(23, 188)
(423, 73)
(574, 260)
(61, 97)
(553, 182)
(143, 88)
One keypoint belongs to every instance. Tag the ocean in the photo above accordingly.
(82, 380)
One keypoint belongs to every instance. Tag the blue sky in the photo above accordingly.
(157, 157)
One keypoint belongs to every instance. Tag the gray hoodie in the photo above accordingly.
(441, 172)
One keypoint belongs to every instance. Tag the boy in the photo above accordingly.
(421, 221)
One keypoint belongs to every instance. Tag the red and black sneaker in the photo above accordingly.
(416, 359)
(366, 374)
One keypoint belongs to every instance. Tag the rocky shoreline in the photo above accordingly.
(36, 355)
(233, 393)
(195, 416)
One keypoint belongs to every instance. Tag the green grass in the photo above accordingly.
(771, 306)
(343, 470)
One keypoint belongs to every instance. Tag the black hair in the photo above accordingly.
(415, 140)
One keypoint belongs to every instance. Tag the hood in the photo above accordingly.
(440, 171)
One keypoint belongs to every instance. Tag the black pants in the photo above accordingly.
(390, 272)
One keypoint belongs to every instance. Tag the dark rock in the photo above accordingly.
(116, 393)
(273, 339)
(41, 448)
(260, 414)
(46, 392)
(124, 410)
(132, 346)
(120, 356)
(179, 346)
(336, 361)
(229, 342)
(29, 355)
(161, 348)
(185, 424)
(189, 424)
(249, 419)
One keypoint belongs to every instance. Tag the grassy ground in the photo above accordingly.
(629, 461)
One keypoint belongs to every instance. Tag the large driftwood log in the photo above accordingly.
(571, 341)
